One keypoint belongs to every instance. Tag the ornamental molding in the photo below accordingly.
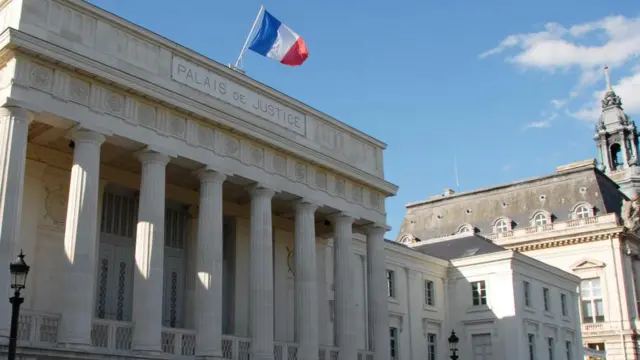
(548, 244)
(115, 105)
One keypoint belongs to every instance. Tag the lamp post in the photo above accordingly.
(453, 345)
(19, 270)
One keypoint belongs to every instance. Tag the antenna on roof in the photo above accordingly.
(607, 78)
(455, 169)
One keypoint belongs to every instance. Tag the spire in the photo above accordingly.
(610, 98)
(608, 78)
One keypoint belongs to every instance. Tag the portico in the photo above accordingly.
(172, 216)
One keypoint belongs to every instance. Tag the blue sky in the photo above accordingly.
(508, 87)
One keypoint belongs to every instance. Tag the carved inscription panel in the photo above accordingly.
(215, 85)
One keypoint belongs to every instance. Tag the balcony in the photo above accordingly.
(40, 330)
(598, 329)
(568, 227)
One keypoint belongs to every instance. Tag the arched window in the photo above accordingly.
(582, 211)
(540, 219)
(502, 225)
(466, 228)
(616, 156)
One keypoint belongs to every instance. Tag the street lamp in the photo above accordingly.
(19, 270)
(453, 345)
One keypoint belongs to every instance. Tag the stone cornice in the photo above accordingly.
(16, 39)
(567, 240)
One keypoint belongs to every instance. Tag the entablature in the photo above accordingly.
(124, 55)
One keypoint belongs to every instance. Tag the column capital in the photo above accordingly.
(18, 113)
(305, 204)
(375, 229)
(207, 174)
(260, 190)
(86, 135)
(151, 156)
(341, 217)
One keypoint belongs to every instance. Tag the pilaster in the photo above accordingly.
(209, 266)
(306, 295)
(344, 282)
(149, 254)
(14, 126)
(261, 274)
(80, 240)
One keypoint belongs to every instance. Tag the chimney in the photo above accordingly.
(448, 192)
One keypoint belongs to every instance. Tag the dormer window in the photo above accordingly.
(582, 211)
(502, 225)
(540, 219)
(466, 228)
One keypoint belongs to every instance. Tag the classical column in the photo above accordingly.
(14, 126)
(149, 254)
(344, 283)
(306, 284)
(377, 293)
(261, 275)
(209, 266)
(80, 239)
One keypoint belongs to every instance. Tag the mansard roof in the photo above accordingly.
(556, 194)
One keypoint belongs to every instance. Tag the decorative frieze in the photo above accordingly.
(79, 90)
(300, 172)
(103, 99)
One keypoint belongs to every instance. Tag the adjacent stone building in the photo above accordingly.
(579, 219)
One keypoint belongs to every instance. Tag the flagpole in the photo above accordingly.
(246, 42)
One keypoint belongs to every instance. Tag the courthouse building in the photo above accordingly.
(171, 207)
(163, 200)
(583, 219)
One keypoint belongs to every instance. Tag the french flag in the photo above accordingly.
(277, 41)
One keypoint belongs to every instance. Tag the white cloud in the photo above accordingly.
(613, 40)
(627, 88)
(558, 103)
(557, 47)
(541, 124)
(538, 124)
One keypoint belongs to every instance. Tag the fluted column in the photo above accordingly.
(149, 254)
(306, 286)
(80, 239)
(209, 266)
(344, 285)
(377, 293)
(261, 275)
(14, 126)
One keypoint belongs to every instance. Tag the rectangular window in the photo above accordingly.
(481, 347)
(479, 290)
(532, 347)
(563, 304)
(567, 347)
(393, 346)
(429, 293)
(527, 293)
(550, 345)
(391, 286)
(547, 301)
(431, 347)
(592, 306)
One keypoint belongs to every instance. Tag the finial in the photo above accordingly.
(607, 78)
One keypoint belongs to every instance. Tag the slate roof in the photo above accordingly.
(459, 247)
(558, 193)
